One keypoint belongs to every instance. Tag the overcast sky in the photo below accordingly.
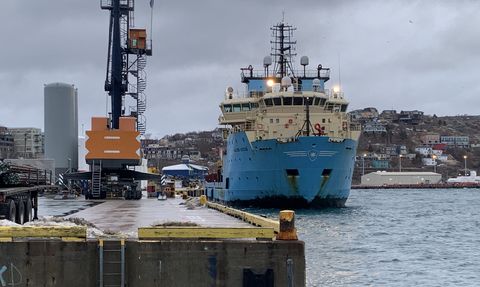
(392, 54)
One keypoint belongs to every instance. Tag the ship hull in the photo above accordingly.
(313, 171)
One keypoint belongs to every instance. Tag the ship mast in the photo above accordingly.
(283, 49)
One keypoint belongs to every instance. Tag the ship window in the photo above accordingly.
(227, 108)
(277, 101)
(287, 101)
(227, 183)
(298, 101)
(323, 121)
(254, 105)
(329, 107)
(277, 121)
(271, 121)
(268, 102)
(317, 100)
(344, 108)
(309, 101)
(292, 172)
(245, 107)
(236, 108)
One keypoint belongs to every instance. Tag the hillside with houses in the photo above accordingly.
(391, 141)
(413, 141)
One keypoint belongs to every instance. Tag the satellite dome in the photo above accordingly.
(267, 61)
(304, 61)
(286, 81)
(229, 90)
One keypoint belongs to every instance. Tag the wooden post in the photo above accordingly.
(287, 226)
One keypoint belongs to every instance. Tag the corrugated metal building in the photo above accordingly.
(381, 178)
(186, 170)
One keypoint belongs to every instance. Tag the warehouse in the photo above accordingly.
(382, 178)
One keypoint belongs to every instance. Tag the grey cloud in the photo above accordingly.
(393, 54)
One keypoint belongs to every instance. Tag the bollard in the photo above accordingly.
(287, 226)
(203, 199)
(184, 195)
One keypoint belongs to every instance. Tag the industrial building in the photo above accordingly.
(61, 125)
(382, 178)
(7, 147)
(28, 142)
(186, 170)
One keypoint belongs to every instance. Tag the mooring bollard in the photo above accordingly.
(287, 226)
(203, 199)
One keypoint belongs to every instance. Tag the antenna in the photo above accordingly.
(339, 74)
(151, 21)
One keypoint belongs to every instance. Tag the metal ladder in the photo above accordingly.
(112, 263)
(96, 178)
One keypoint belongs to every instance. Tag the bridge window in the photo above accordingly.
(344, 108)
(236, 108)
(329, 107)
(277, 101)
(268, 102)
(322, 102)
(245, 107)
(227, 108)
(309, 101)
(317, 101)
(287, 101)
(298, 101)
(254, 105)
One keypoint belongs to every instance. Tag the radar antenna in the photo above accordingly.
(283, 49)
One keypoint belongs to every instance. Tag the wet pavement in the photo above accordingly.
(127, 215)
(48, 206)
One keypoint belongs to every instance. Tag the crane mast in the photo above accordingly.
(112, 144)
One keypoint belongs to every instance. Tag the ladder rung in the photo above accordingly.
(111, 274)
(112, 262)
(112, 250)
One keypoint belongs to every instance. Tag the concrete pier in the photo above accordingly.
(155, 263)
(74, 260)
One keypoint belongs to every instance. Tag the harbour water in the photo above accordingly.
(394, 237)
(391, 237)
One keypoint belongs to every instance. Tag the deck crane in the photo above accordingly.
(113, 142)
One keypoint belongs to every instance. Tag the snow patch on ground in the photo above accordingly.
(92, 230)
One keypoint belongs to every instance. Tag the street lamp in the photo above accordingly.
(465, 160)
(363, 163)
(434, 157)
(400, 162)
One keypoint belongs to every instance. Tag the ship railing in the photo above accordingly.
(293, 88)
(323, 73)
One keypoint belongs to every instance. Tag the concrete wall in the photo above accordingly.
(153, 263)
(49, 263)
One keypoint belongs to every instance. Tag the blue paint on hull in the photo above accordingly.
(310, 171)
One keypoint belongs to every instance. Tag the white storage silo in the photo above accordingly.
(61, 125)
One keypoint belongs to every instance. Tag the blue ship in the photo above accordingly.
(289, 140)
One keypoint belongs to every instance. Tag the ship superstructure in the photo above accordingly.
(289, 139)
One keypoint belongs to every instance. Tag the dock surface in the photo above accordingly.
(126, 216)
